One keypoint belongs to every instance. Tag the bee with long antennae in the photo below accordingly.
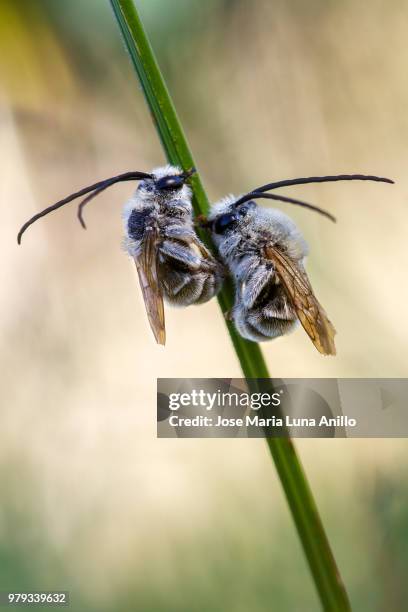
(90, 197)
(171, 261)
(96, 188)
(266, 253)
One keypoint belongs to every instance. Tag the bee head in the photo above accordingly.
(226, 216)
(170, 183)
(166, 181)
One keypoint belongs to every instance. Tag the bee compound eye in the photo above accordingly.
(170, 182)
(244, 208)
(224, 222)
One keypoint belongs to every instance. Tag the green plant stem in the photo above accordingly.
(298, 494)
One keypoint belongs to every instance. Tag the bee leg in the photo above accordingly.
(180, 232)
(254, 284)
(170, 249)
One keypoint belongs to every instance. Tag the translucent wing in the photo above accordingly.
(202, 250)
(300, 293)
(146, 265)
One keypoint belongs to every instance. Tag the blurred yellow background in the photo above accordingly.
(92, 502)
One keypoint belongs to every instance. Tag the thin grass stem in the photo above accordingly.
(322, 564)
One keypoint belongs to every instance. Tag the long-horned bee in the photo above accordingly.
(266, 253)
(171, 261)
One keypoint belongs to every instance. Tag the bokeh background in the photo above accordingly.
(91, 501)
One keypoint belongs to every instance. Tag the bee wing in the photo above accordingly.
(146, 265)
(210, 261)
(299, 291)
(200, 248)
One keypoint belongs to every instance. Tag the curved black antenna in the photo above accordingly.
(85, 201)
(323, 179)
(271, 196)
(187, 174)
(126, 176)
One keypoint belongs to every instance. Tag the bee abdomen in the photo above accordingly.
(263, 323)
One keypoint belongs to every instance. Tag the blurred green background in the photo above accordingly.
(91, 501)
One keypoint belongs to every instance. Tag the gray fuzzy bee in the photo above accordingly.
(171, 261)
(266, 254)
(170, 258)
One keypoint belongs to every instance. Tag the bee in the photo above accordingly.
(266, 254)
(171, 261)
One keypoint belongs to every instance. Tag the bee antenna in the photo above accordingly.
(323, 179)
(254, 195)
(85, 201)
(97, 188)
